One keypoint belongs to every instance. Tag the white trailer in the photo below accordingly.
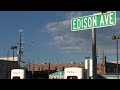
(73, 73)
(18, 74)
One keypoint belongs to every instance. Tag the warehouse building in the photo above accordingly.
(6, 64)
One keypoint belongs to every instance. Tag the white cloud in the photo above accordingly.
(73, 14)
(80, 41)
(58, 26)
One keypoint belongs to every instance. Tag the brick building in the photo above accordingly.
(102, 68)
(108, 67)
(43, 67)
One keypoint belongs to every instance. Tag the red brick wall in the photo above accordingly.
(40, 67)
(102, 68)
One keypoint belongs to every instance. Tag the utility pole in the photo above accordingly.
(48, 69)
(20, 49)
(97, 52)
(13, 53)
(29, 64)
(33, 69)
(7, 64)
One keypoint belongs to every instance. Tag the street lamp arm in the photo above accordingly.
(114, 37)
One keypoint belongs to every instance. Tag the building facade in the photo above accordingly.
(6, 65)
(103, 68)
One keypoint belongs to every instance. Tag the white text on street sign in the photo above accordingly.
(93, 21)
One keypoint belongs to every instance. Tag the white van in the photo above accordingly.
(18, 74)
(73, 73)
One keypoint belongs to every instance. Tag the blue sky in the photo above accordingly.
(47, 36)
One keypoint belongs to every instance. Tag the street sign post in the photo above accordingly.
(93, 21)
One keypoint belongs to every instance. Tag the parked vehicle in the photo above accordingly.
(73, 73)
(18, 74)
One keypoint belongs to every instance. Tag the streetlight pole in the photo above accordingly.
(13, 47)
(116, 38)
(94, 57)
(94, 53)
(117, 58)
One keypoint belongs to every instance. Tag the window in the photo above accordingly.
(72, 77)
(16, 77)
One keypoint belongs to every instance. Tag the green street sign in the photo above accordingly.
(93, 21)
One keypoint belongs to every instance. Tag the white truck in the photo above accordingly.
(18, 74)
(73, 73)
